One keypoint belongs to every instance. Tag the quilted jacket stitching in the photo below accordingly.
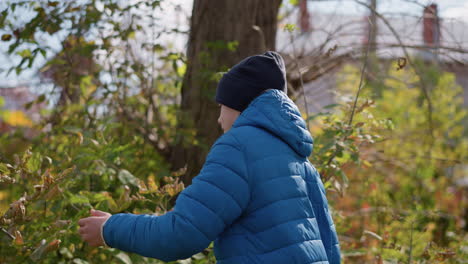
(235, 200)
(292, 244)
(192, 224)
(284, 222)
(284, 199)
(227, 167)
(281, 177)
(207, 207)
(220, 142)
(247, 167)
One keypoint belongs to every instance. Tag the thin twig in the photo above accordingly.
(364, 66)
(6, 233)
(301, 81)
(370, 31)
(410, 62)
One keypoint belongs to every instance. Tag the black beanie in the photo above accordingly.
(249, 78)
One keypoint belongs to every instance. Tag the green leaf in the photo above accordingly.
(4, 168)
(354, 156)
(18, 70)
(126, 177)
(31, 61)
(124, 258)
(43, 52)
(326, 147)
(131, 35)
(217, 76)
(182, 69)
(28, 106)
(96, 197)
(155, 4)
(78, 199)
(41, 98)
(360, 124)
(79, 261)
(53, 3)
(290, 27)
(199, 256)
(34, 163)
(6, 37)
(158, 48)
(57, 61)
(12, 47)
(344, 178)
(66, 252)
(232, 45)
(294, 2)
(37, 254)
(312, 117)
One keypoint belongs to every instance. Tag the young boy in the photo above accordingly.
(257, 196)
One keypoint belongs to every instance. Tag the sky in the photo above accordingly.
(448, 9)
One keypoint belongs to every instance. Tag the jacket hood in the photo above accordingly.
(274, 112)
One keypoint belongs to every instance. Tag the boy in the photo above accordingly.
(257, 196)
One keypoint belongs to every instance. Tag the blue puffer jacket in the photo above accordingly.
(257, 197)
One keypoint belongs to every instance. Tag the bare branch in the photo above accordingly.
(424, 87)
(6, 233)
(370, 32)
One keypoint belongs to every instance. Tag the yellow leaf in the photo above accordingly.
(170, 190)
(18, 238)
(367, 163)
(142, 187)
(3, 195)
(174, 188)
(111, 202)
(124, 200)
(53, 245)
(152, 184)
(131, 35)
(80, 138)
(16, 118)
(44, 248)
(168, 179)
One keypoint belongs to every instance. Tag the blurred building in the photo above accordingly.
(15, 99)
(328, 41)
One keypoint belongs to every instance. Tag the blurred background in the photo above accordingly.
(109, 104)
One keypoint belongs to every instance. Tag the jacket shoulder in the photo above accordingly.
(243, 133)
(230, 138)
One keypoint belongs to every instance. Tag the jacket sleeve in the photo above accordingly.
(215, 199)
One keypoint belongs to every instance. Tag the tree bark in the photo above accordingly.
(223, 32)
(373, 23)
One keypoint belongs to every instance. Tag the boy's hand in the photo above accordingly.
(90, 227)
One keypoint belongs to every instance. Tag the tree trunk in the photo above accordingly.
(223, 32)
(373, 23)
